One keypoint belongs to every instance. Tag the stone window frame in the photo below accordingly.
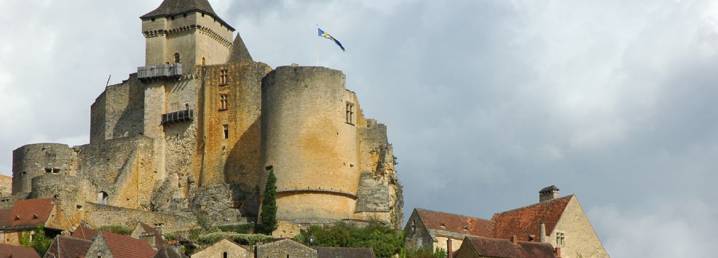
(350, 113)
(560, 239)
(223, 102)
(225, 131)
(223, 77)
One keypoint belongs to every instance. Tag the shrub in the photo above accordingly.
(269, 206)
(385, 241)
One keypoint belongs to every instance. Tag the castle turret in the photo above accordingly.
(35, 160)
(186, 32)
(310, 142)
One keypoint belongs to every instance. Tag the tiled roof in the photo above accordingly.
(84, 231)
(436, 220)
(70, 247)
(502, 248)
(344, 252)
(11, 251)
(28, 214)
(159, 242)
(126, 247)
(177, 7)
(4, 218)
(526, 221)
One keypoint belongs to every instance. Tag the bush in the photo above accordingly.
(244, 239)
(384, 240)
(269, 206)
(242, 228)
(40, 241)
(423, 253)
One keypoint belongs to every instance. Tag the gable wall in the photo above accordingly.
(581, 240)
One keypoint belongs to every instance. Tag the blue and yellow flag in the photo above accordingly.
(325, 35)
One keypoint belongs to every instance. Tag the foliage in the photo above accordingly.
(117, 229)
(269, 206)
(384, 240)
(240, 228)
(40, 241)
(244, 239)
(422, 253)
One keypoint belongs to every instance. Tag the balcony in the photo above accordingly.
(162, 71)
(178, 117)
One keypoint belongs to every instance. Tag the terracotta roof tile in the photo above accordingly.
(436, 220)
(502, 248)
(11, 251)
(344, 252)
(126, 247)
(5, 218)
(30, 213)
(84, 231)
(526, 221)
(70, 247)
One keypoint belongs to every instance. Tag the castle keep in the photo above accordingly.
(195, 131)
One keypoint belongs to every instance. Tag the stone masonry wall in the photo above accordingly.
(581, 240)
(118, 112)
(35, 160)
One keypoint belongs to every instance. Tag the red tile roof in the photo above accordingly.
(83, 231)
(4, 218)
(126, 247)
(526, 221)
(436, 220)
(28, 214)
(502, 248)
(11, 251)
(69, 247)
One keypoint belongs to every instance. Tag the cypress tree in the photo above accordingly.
(269, 206)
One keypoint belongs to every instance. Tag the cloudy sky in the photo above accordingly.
(486, 101)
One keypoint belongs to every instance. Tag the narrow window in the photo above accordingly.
(177, 58)
(560, 239)
(413, 226)
(223, 102)
(350, 113)
(203, 61)
(225, 255)
(223, 77)
(226, 131)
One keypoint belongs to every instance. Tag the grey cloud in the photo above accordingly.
(486, 101)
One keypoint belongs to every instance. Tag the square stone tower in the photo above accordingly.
(186, 32)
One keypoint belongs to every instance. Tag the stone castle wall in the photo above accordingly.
(118, 112)
(35, 160)
(308, 143)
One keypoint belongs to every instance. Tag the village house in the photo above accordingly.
(285, 248)
(152, 235)
(483, 247)
(110, 245)
(224, 249)
(344, 252)
(558, 221)
(68, 247)
(13, 251)
(26, 217)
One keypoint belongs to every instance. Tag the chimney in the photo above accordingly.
(557, 252)
(449, 248)
(514, 239)
(542, 237)
(549, 193)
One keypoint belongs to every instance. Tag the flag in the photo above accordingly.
(325, 35)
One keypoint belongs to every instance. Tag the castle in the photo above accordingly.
(191, 136)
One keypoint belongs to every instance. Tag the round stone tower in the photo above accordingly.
(35, 160)
(310, 142)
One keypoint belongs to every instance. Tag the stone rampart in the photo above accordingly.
(40, 159)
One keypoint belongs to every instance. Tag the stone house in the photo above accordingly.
(483, 247)
(26, 216)
(13, 251)
(559, 221)
(344, 252)
(285, 248)
(83, 231)
(68, 247)
(169, 252)
(150, 234)
(110, 245)
(224, 249)
(434, 229)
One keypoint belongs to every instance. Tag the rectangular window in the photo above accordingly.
(223, 77)
(350, 113)
(560, 239)
(223, 102)
(226, 131)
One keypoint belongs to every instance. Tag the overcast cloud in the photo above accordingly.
(486, 101)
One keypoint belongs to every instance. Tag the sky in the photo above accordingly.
(486, 101)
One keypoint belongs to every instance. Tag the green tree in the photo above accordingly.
(269, 206)
(40, 242)
(385, 241)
